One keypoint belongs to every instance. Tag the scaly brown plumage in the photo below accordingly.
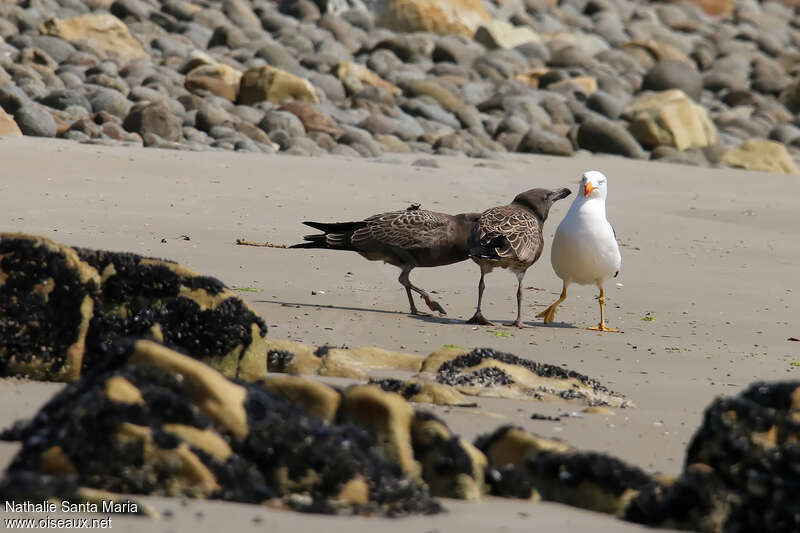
(510, 236)
(406, 239)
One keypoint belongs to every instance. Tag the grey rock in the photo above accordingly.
(136, 9)
(785, 134)
(329, 85)
(768, 76)
(404, 126)
(512, 123)
(360, 18)
(209, 115)
(500, 64)
(429, 108)
(112, 82)
(63, 98)
(475, 92)
(610, 27)
(297, 43)
(110, 101)
(35, 120)
(71, 80)
(199, 35)
(305, 146)
(247, 114)
(56, 48)
(170, 46)
(78, 136)
(567, 55)
(383, 62)
(606, 104)
(510, 141)
(281, 138)
(470, 118)
(536, 53)
(457, 49)
(350, 117)
(668, 154)
(196, 136)
(410, 48)
(148, 118)
(353, 136)
(557, 108)
(229, 36)
(344, 150)
(672, 74)
(604, 136)
(539, 141)
(282, 120)
(344, 32)
(225, 132)
(12, 98)
(425, 163)
(277, 56)
(724, 81)
(304, 10)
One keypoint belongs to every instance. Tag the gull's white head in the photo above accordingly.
(594, 185)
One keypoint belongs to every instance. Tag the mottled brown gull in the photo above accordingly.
(406, 239)
(510, 236)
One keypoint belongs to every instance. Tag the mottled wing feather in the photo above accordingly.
(514, 227)
(404, 229)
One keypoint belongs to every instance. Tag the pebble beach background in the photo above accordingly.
(709, 83)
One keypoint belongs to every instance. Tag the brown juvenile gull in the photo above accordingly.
(406, 239)
(510, 236)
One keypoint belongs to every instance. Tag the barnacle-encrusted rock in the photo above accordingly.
(741, 468)
(154, 421)
(526, 466)
(61, 308)
(144, 296)
(419, 391)
(451, 466)
(486, 372)
(48, 296)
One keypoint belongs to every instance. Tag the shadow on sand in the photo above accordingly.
(429, 319)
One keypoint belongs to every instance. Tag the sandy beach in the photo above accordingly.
(711, 256)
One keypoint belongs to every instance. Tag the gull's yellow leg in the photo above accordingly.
(550, 313)
(602, 325)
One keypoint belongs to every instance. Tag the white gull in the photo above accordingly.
(585, 249)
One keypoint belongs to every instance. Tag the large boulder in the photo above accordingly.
(61, 309)
(48, 297)
(501, 34)
(674, 74)
(267, 83)
(759, 154)
(154, 118)
(599, 135)
(532, 467)
(219, 79)
(104, 33)
(438, 16)
(7, 124)
(348, 69)
(740, 472)
(669, 118)
(155, 421)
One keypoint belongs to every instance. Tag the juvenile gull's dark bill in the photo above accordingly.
(406, 239)
(510, 236)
